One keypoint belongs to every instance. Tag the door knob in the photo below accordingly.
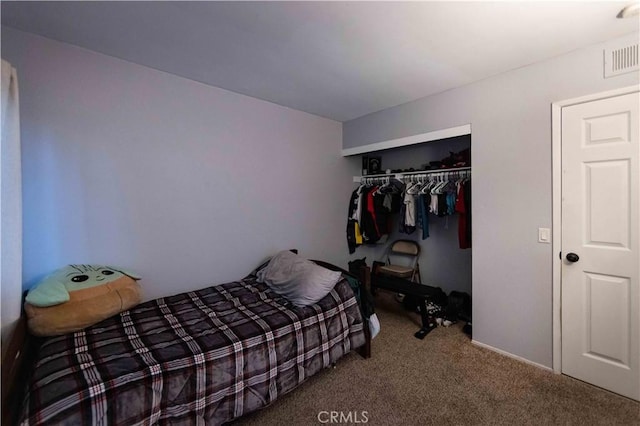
(572, 257)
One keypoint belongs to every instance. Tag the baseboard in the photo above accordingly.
(510, 355)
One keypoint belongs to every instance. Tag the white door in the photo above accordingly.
(600, 239)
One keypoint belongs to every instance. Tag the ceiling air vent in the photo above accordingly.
(620, 60)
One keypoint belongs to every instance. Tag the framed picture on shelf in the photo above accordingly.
(375, 165)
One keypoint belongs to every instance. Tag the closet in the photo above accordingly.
(445, 259)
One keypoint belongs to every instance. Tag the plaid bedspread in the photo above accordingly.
(202, 357)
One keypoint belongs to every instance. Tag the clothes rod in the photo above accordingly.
(417, 172)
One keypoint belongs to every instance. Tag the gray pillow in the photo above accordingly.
(300, 281)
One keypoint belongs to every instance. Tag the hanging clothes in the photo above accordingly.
(381, 213)
(408, 212)
(395, 188)
(423, 215)
(451, 202)
(372, 208)
(467, 204)
(352, 223)
(369, 214)
(441, 196)
(401, 224)
(433, 206)
(442, 205)
(463, 207)
(367, 223)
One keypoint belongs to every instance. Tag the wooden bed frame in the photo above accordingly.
(21, 351)
(364, 276)
(17, 360)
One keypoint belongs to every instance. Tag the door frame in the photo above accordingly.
(556, 202)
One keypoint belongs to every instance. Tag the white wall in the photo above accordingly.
(186, 184)
(510, 116)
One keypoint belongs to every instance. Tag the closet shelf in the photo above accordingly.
(414, 173)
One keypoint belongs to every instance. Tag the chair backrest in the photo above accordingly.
(403, 253)
(407, 247)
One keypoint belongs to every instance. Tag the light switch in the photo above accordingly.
(544, 235)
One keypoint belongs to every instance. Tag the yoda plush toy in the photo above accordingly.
(78, 296)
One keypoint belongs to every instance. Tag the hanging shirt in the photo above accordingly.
(451, 203)
(433, 207)
(462, 218)
(372, 209)
(357, 215)
(387, 203)
(467, 207)
(368, 225)
(442, 205)
(352, 240)
(358, 234)
(410, 213)
(423, 215)
(381, 213)
(403, 226)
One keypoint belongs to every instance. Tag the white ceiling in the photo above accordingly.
(339, 60)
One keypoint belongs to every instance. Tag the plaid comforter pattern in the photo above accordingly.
(202, 357)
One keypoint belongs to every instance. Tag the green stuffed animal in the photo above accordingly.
(78, 296)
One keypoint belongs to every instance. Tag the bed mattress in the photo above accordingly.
(201, 357)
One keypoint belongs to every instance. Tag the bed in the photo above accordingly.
(201, 357)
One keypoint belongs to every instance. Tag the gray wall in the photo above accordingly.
(510, 116)
(186, 184)
(442, 262)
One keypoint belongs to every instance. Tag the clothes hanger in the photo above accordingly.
(430, 183)
(382, 184)
(436, 188)
(424, 182)
(412, 188)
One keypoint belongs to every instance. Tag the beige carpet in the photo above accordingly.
(441, 380)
